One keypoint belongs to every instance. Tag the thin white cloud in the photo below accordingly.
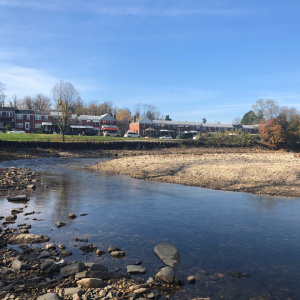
(22, 81)
(114, 8)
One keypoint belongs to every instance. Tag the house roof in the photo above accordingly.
(184, 123)
(6, 108)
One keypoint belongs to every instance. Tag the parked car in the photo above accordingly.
(16, 131)
(131, 134)
(111, 133)
(166, 137)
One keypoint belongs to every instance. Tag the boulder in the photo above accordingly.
(135, 269)
(168, 254)
(165, 275)
(20, 266)
(91, 282)
(18, 198)
(28, 238)
(47, 264)
(60, 224)
(72, 269)
(117, 254)
(87, 248)
(48, 296)
(10, 218)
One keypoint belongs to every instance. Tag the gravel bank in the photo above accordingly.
(250, 170)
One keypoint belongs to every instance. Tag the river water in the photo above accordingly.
(215, 231)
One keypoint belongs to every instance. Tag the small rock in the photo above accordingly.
(72, 216)
(117, 253)
(60, 224)
(91, 283)
(135, 269)
(191, 279)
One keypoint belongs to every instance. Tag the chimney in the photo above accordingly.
(134, 119)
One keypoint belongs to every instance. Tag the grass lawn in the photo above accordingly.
(25, 137)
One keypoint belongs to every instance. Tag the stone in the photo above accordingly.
(47, 264)
(141, 291)
(191, 279)
(91, 282)
(168, 254)
(60, 224)
(17, 210)
(18, 198)
(165, 275)
(51, 246)
(48, 296)
(72, 216)
(28, 238)
(44, 254)
(30, 186)
(100, 252)
(10, 218)
(117, 253)
(87, 248)
(19, 265)
(72, 290)
(102, 294)
(98, 268)
(135, 269)
(65, 253)
(113, 248)
(72, 269)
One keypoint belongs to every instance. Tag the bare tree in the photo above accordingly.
(14, 102)
(41, 102)
(151, 112)
(236, 121)
(65, 95)
(2, 93)
(26, 103)
(266, 109)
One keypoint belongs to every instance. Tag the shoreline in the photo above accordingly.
(255, 171)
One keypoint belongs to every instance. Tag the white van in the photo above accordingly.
(131, 134)
(111, 133)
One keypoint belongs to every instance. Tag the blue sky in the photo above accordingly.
(191, 59)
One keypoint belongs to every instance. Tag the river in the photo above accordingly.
(215, 231)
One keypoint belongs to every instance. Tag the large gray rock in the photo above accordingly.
(168, 254)
(91, 282)
(72, 291)
(28, 238)
(134, 269)
(165, 275)
(48, 296)
(72, 269)
(19, 266)
(47, 264)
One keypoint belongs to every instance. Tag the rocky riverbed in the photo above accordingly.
(254, 170)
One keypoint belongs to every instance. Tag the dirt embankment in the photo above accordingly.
(243, 170)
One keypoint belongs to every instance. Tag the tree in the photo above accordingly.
(65, 95)
(266, 109)
(124, 118)
(204, 120)
(151, 112)
(2, 93)
(41, 102)
(236, 121)
(26, 103)
(250, 118)
(168, 118)
(14, 102)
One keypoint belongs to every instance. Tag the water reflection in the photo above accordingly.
(215, 231)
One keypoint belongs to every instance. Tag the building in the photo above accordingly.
(156, 128)
(38, 121)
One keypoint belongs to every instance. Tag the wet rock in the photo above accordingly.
(18, 198)
(168, 254)
(61, 247)
(20, 266)
(48, 296)
(117, 254)
(72, 269)
(141, 291)
(113, 248)
(165, 275)
(60, 224)
(98, 267)
(47, 264)
(238, 274)
(191, 279)
(31, 186)
(100, 252)
(135, 269)
(25, 227)
(91, 282)
(28, 238)
(72, 216)
(10, 218)
(17, 210)
(87, 248)
(65, 253)
(81, 240)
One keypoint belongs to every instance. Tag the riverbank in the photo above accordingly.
(256, 171)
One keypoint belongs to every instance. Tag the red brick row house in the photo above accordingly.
(38, 121)
(156, 128)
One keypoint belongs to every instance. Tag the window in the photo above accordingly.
(143, 124)
(46, 118)
(28, 117)
(20, 125)
(9, 113)
(88, 121)
(38, 117)
(19, 117)
(37, 126)
(143, 132)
